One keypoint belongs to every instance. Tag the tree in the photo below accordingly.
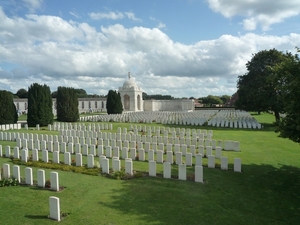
(289, 126)
(39, 105)
(225, 98)
(81, 93)
(211, 100)
(257, 89)
(114, 103)
(22, 93)
(8, 111)
(67, 105)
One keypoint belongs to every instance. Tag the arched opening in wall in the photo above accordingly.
(126, 102)
(139, 102)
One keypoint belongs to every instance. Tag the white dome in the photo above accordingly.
(130, 84)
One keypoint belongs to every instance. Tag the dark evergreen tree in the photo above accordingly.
(8, 112)
(39, 105)
(67, 105)
(114, 103)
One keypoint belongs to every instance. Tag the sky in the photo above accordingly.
(183, 48)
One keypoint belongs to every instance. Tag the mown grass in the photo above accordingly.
(266, 192)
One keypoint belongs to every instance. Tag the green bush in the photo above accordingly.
(6, 182)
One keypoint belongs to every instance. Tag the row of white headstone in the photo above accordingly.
(182, 118)
(15, 126)
(54, 181)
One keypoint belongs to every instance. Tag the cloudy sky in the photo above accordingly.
(181, 48)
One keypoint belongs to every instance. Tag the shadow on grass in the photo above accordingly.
(37, 217)
(262, 194)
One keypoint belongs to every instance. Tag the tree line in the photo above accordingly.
(81, 93)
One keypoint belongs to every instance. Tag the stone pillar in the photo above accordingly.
(224, 163)
(63, 147)
(50, 146)
(211, 161)
(85, 149)
(116, 151)
(100, 150)
(93, 149)
(77, 148)
(55, 157)
(193, 150)
(67, 158)
(105, 165)
(199, 174)
(78, 159)
(208, 151)
(169, 157)
(201, 150)
(54, 181)
(41, 178)
(160, 156)
(167, 170)
(35, 155)
(128, 166)
(90, 163)
(6, 170)
(16, 152)
(108, 151)
(237, 167)
(45, 156)
(152, 168)
(141, 154)
(116, 164)
(28, 176)
(24, 157)
(188, 159)
(132, 153)
(7, 151)
(198, 160)
(54, 206)
(218, 152)
(178, 158)
(182, 172)
(70, 148)
(124, 152)
(38, 145)
(16, 172)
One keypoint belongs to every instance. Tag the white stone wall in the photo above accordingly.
(169, 105)
(84, 105)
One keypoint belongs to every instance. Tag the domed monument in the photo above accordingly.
(131, 96)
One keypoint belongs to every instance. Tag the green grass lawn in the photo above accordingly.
(266, 192)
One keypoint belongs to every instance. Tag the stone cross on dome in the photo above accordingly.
(129, 76)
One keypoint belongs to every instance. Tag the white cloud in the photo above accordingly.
(33, 5)
(257, 12)
(74, 14)
(161, 25)
(113, 16)
(76, 54)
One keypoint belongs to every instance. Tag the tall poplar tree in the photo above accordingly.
(67, 104)
(114, 103)
(39, 105)
(8, 112)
